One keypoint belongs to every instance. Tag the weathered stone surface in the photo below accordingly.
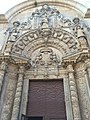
(51, 43)
(17, 99)
(10, 91)
(83, 93)
(74, 95)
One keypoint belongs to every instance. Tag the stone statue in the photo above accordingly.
(14, 31)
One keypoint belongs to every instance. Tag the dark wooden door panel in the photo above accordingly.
(46, 98)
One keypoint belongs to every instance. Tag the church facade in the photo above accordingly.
(45, 62)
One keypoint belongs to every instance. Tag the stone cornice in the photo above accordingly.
(3, 19)
(14, 59)
(75, 58)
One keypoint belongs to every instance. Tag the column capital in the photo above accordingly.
(3, 66)
(70, 68)
(21, 69)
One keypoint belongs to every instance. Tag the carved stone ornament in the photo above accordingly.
(61, 40)
(46, 27)
(13, 32)
(46, 59)
(46, 17)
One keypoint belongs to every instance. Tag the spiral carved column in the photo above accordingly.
(73, 94)
(16, 107)
(2, 73)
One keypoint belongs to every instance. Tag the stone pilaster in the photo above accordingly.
(2, 73)
(73, 93)
(17, 100)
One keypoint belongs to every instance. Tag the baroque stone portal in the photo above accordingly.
(43, 43)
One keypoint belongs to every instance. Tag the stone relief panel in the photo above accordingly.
(82, 91)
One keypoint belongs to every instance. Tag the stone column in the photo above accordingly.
(73, 93)
(2, 73)
(69, 113)
(87, 75)
(17, 100)
(88, 67)
(83, 93)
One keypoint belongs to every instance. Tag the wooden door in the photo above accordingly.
(46, 100)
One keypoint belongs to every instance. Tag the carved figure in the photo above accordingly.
(14, 31)
(45, 17)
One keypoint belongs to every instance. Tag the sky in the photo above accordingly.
(5, 5)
